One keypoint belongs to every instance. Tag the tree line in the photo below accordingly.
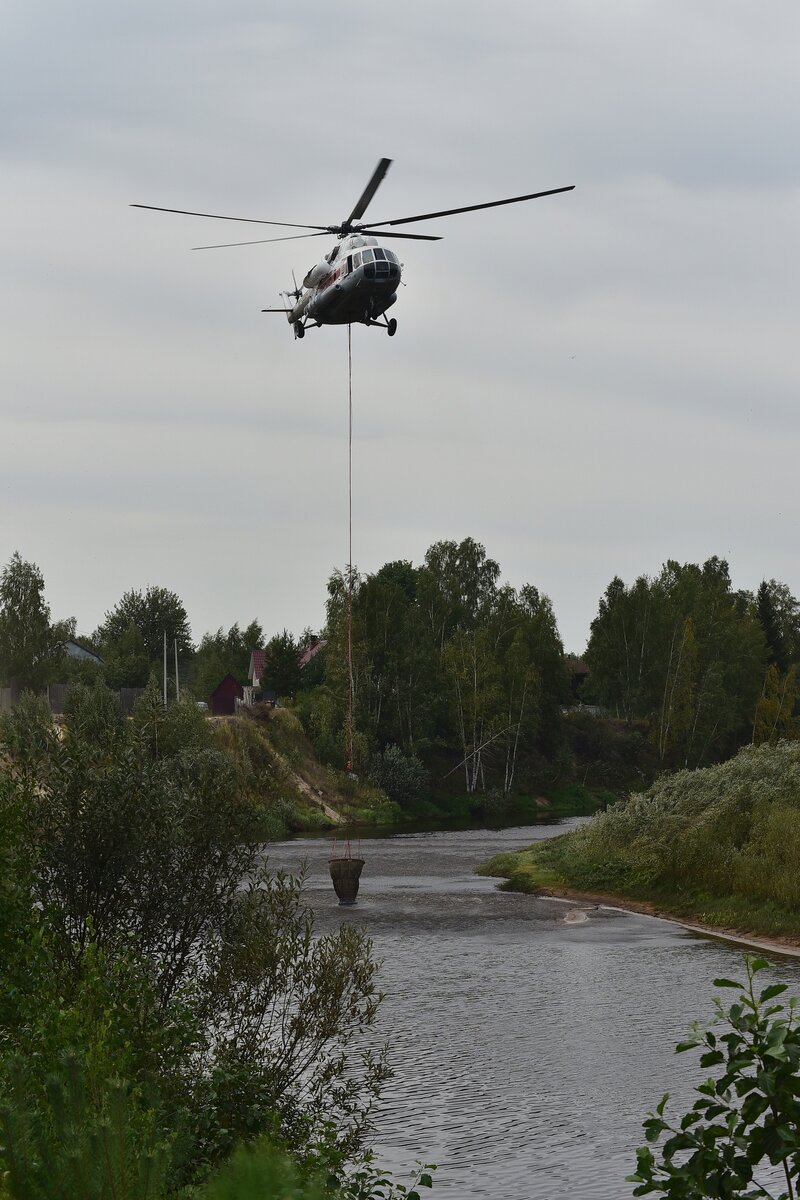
(449, 666)
(130, 642)
(461, 677)
(709, 668)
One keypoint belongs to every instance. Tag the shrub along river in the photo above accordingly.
(529, 1036)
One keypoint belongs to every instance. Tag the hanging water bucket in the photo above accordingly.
(345, 874)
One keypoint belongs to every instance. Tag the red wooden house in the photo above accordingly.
(224, 697)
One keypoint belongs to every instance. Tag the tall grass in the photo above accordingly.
(722, 840)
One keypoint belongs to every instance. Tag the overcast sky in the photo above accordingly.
(588, 384)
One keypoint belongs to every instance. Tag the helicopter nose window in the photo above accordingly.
(379, 254)
(356, 261)
(366, 256)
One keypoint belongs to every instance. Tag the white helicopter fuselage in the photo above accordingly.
(356, 281)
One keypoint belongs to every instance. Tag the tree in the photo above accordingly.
(678, 703)
(282, 664)
(743, 1133)
(544, 651)
(781, 611)
(684, 652)
(768, 618)
(403, 778)
(455, 584)
(154, 612)
(774, 717)
(31, 647)
(443, 657)
(620, 654)
(145, 861)
(126, 664)
(477, 699)
(220, 654)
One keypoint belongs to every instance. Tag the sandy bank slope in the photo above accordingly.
(786, 946)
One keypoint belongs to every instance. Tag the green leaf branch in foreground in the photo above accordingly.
(741, 1138)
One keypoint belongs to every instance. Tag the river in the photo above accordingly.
(527, 1044)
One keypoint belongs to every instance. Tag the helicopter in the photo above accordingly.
(357, 281)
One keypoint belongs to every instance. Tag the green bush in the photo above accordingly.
(79, 1142)
(151, 941)
(697, 838)
(402, 777)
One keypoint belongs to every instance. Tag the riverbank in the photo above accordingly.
(772, 945)
(716, 848)
(523, 873)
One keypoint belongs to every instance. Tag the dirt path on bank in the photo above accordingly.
(787, 946)
(317, 799)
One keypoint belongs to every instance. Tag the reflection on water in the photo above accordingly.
(527, 1046)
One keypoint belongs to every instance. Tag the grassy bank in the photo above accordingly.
(497, 810)
(720, 846)
(276, 766)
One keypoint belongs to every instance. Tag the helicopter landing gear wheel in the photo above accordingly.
(391, 328)
(299, 331)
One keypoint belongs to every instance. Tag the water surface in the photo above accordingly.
(527, 1045)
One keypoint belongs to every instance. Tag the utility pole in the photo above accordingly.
(165, 668)
(177, 684)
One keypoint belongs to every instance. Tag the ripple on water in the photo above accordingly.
(526, 1050)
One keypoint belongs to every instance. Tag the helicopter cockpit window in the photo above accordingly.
(392, 257)
(380, 254)
(366, 256)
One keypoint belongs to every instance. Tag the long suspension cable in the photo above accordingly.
(350, 550)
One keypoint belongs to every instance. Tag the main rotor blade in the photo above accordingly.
(293, 237)
(449, 212)
(418, 237)
(369, 191)
(218, 217)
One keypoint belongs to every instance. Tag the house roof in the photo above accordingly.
(575, 665)
(314, 648)
(258, 659)
(77, 650)
(229, 683)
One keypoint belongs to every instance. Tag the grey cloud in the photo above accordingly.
(588, 384)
